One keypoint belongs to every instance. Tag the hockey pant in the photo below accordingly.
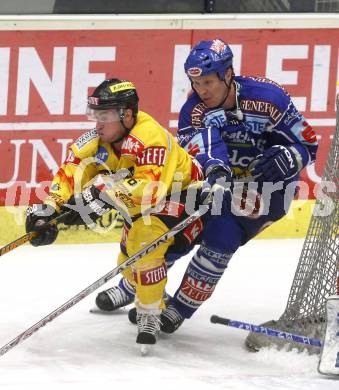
(170, 258)
(221, 237)
(149, 274)
(181, 244)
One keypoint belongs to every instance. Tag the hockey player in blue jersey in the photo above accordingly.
(239, 129)
(257, 123)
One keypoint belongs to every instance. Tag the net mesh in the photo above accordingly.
(315, 276)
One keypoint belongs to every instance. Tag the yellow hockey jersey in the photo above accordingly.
(149, 152)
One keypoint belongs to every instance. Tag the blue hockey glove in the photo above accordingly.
(216, 189)
(36, 217)
(278, 163)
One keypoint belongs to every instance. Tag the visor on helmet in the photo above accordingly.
(106, 116)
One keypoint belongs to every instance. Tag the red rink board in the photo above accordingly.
(46, 76)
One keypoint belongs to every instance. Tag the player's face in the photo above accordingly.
(210, 89)
(108, 124)
(110, 131)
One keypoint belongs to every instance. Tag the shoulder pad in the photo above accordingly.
(86, 144)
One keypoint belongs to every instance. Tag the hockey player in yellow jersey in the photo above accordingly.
(124, 140)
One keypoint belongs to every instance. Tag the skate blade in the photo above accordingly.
(96, 310)
(145, 349)
(117, 312)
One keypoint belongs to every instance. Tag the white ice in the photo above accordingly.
(79, 350)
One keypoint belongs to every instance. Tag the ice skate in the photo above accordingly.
(171, 319)
(148, 331)
(132, 313)
(115, 297)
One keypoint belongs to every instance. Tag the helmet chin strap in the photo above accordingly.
(227, 93)
(122, 137)
(126, 129)
(238, 114)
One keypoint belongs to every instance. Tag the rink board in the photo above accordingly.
(293, 225)
(49, 64)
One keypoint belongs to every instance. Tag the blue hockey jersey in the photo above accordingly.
(264, 116)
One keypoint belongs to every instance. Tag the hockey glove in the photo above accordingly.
(278, 163)
(37, 216)
(88, 206)
(216, 190)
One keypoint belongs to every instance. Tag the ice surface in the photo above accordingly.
(80, 350)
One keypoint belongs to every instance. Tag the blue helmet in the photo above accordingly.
(209, 57)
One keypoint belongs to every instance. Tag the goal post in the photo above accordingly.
(315, 278)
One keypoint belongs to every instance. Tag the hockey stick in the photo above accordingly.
(84, 293)
(267, 331)
(28, 236)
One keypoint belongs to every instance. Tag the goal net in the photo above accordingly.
(315, 276)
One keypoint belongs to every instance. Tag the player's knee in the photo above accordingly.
(223, 234)
(141, 234)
